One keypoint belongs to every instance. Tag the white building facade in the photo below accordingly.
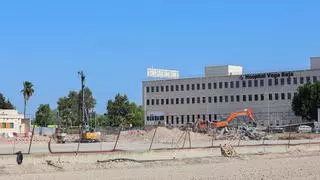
(10, 121)
(223, 90)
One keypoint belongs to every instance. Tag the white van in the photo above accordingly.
(304, 129)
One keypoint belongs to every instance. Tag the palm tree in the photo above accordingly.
(27, 92)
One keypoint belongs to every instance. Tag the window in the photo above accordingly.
(177, 87)
(203, 100)
(226, 98)
(255, 83)
(203, 86)
(198, 100)
(238, 98)
(198, 116)
(270, 82)
(157, 89)
(220, 85)
(198, 86)
(315, 79)
(226, 84)
(162, 88)
(250, 97)
(193, 118)
(261, 82)
(167, 101)
(172, 88)
(152, 102)
(152, 89)
(188, 87)
(167, 119)
(282, 81)
(249, 83)
(276, 82)
(215, 99)
(167, 88)
(177, 120)
(182, 119)
(270, 97)
(215, 117)
(289, 80)
(172, 101)
(209, 99)
(188, 118)
(244, 84)
(232, 84)
(295, 80)
(214, 85)
(232, 98)
(182, 101)
(283, 96)
(193, 100)
(162, 101)
(148, 102)
(221, 99)
(262, 97)
(308, 79)
(256, 97)
(237, 84)
(209, 86)
(203, 117)
(182, 87)
(210, 117)
(148, 89)
(276, 96)
(289, 96)
(193, 86)
(301, 80)
(188, 100)
(244, 98)
(157, 102)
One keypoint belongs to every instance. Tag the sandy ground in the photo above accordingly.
(251, 163)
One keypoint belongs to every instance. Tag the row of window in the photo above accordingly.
(220, 99)
(6, 125)
(232, 84)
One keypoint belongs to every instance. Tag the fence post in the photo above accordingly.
(115, 145)
(154, 135)
(80, 136)
(189, 139)
(31, 139)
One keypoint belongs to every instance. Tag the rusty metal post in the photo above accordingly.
(185, 138)
(31, 139)
(154, 135)
(177, 144)
(80, 137)
(189, 140)
(118, 136)
(289, 141)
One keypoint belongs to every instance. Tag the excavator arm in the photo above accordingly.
(246, 112)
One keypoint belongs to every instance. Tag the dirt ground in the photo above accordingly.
(295, 163)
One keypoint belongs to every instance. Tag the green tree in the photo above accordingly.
(44, 116)
(27, 92)
(306, 102)
(5, 104)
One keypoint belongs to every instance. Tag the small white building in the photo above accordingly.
(11, 121)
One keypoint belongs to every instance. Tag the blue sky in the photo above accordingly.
(47, 42)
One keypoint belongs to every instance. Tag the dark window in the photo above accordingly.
(198, 100)
(276, 82)
(220, 85)
(172, 101)
(182, 87)
(308, 79)
(295, 80)
(215, 117)
(283, 96)
(157, 89)
(270, 82)
(289, 96)
(188, 118)
(262, 97)
(203, 100)
(244, 98)
(203, 117)
(162, 101)
(215, 99)
(232, 98)
(301, 80)
(270, 97)
(172, 118)
(148, 89)
(193, 100)
(315, 79)
(214, 85)
(167, 119)
(209, 99)
(148, 102)
(152, 102)
(167, 88)
(198, 86)
(157, 101)
(237, 84)
(226, 98)
(177, 120)
(188, 87)
(193, 118)
(226, 84)
(177, 100)
(193, 86)
(276, 96)
(261, 82)
(182, 101)
(209, 86)
(282, 81)
(167, 101)
(256, 97)
(177, 87)
(238, 98)
(250, 97)
(244, 84)
(182, 119)
(152, 89)
(210, 117)
(188, 100)
(162, 88)
(221, 99)
(203, 86)
(255, 83)
(249, 83)
(198, 116)
(289, 80)
(232, 84)
(172, 88)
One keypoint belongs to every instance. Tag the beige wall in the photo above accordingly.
(10, 116)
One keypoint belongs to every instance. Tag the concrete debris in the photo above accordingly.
(227, 150)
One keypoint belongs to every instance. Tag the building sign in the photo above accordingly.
(267, 75)
(162, 73)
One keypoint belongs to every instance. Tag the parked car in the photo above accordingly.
(277, 129)
(304, 129)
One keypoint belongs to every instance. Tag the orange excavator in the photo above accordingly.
(233, 115)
